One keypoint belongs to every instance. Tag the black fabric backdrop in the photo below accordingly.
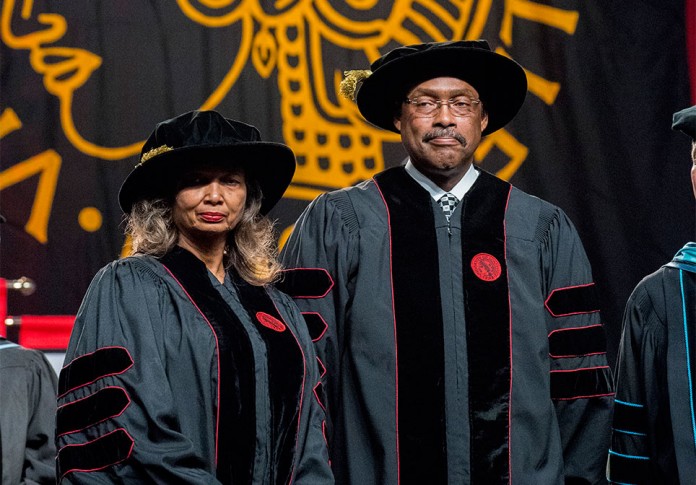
(82, 84)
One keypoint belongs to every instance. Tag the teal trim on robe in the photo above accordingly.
(655, 373)
(685, 258)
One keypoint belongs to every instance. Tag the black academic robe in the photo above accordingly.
(653, 436)
(468, 352)
(173, 377)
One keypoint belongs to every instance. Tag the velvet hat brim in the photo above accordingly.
(177, 145)
(685, 121)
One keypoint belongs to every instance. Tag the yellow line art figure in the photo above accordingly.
(334, 145)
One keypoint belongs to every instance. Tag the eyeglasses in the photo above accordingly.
(459, 106)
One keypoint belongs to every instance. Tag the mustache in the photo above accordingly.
(443, 132)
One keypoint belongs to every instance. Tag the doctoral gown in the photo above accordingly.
(28, 387)
(174, 377)
(653, 438)
(464, 352)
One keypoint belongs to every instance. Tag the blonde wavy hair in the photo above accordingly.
(251, 246)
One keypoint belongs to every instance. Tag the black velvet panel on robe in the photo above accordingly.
(419, 327)
(95, 408)
(286, 371)
(579, 383)
(107, 361)
(236, 430)
(305, 282)
(419, 337)
(105, 451)
(487, 313)
(628, 470)
(573, 300)
(315, 324)
(574, 342)
(630, 418)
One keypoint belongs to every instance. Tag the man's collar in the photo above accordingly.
(436, 192)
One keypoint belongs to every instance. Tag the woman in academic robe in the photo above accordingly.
(185, 364)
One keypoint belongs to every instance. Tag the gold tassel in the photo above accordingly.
(350, 82)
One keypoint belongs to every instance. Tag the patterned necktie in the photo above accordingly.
(448, 202)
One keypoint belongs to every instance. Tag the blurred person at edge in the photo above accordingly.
(28, 387)
(654, 430)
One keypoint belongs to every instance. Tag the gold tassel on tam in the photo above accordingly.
(153, 153)
(350, 82)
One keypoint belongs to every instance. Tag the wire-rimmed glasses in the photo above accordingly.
(427, 106)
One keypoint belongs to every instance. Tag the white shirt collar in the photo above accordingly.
(436, 192)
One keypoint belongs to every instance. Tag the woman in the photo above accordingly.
(185, 365)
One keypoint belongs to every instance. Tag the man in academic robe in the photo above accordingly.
(653, 435)
(455, 316)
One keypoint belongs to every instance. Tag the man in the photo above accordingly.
(28, 388)
(653, 439)
(463, 343)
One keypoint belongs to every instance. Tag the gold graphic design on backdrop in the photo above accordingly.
(334, 145)
(46, 165)
(90, 219)
(64, 70)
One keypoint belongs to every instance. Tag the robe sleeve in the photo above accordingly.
(39, 452)
(116, 419)
(641, 413)
(312, 457)
(581, 381)
(320, 259)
